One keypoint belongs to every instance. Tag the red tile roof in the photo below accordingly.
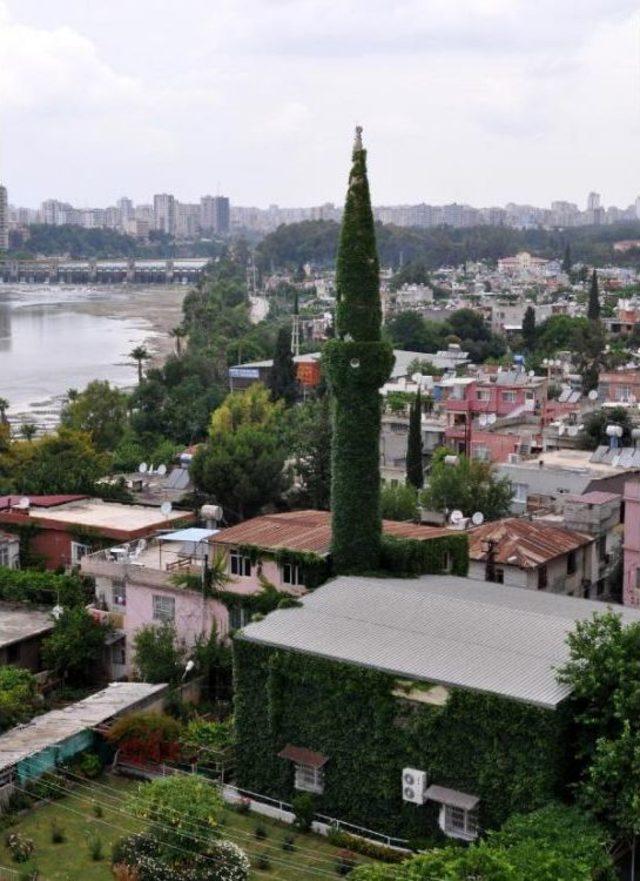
(524, 543)
(307, 531)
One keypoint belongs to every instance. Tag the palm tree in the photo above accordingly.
(28, 430)
(4, 406)
(72, 395)
(139, 354)
(178, 334)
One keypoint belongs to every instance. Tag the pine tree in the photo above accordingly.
(529, 328)
(415, 474)
(283, 382)
(566, 261)
(593, 310)
(358, 364)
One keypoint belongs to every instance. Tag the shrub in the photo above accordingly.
(365, 847)
(345, 863)
(57, 833)
(243, 806)
(289, 843)
(260, 833)
(304, 807)
(213, 735)
(91, 765)
(95, 848)
(146, 737)
(18, 694)
(19, 846)
(218, 861)
(98, 811)
(263, 862)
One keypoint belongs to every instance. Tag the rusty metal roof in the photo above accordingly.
(524, 543)
(300, 755)
(308, 530)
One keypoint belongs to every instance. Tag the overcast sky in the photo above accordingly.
(478, 101)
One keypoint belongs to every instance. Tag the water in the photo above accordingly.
(56, 338)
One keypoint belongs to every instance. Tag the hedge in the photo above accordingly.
(410, 556)
(42, 588)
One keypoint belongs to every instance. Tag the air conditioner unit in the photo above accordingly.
(414, 785)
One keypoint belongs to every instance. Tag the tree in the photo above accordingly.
(415, 472)
(593, 309)
(75, 648)
(158, 655)
(178, 334)
(469, 486)
(566, 260)
(399, 502)
(594, 427)
(411, 333)
(311, 451)
(28, 430)
(252, 407)
(66, 462)
(4, 406)
(18, 694)
(101, 410)
(139, 354)
(589, 347)
(529, 328)
(358, 364)
(283, 381)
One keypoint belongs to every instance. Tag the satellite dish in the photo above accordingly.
(456, 517)
(24, 503)
(478, 518)
(532, 373)
(593, 395)
(491, 418)
(166, 508)
(56, 612)
(483, 419)
(162, 470)
(142, 468)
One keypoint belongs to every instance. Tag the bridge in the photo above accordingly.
(57, 271)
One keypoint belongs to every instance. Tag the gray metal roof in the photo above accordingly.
(24, 741)
(445, 796)
(18, 623)
(442, 629)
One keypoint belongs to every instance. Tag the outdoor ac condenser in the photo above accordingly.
(414, 785)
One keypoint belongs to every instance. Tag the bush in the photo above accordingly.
(263, 862)
(260, 833)
(19, 846)
(95, 848)
(289, 843)
(146, 737)
(345, 863)
(365, 847)
(90, 765)
(304, 807)
(57, 833)
(218, 861)
(98, 811)
(243, 806)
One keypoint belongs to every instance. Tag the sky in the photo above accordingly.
(476, 101)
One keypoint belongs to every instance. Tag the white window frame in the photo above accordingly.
(459, 823)
(308, 779)
(119, 593)
(5, 557)
(509, 397)
(166, 615)
(480, 452)
(294, 571)
(239, 564)
(242, 618)
(483, 394)
(78, 551)
(520, 492)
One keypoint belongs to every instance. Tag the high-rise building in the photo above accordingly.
(4, 219)
(126, 210)
(215, 214)
(164, 209)
(593, 201)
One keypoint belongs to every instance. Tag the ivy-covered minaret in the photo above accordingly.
(358, 363)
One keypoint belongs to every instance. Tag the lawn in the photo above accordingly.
(312, 860)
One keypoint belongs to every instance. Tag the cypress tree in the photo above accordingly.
(529, 328)
(593, 310)
(358, 363)
(415, 474)
(566, 261)
(283, 382)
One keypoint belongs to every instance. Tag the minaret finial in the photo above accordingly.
(357, 144)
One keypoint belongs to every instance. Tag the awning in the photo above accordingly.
(452, 797)
(192, 533)
(301, 756)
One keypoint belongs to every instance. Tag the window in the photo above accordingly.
(571, 562)
(78, 551)
(119, 592)
(4, 555)
(480, 452)
(308, 779)
(499, 579)
(602, 548)
(291, 574)
(238, 617)
(164, 608)
(520, 492)
(543, 578)
(483, 394)
(239, 564)
(119, 655)
(509, 397)
(460, 823)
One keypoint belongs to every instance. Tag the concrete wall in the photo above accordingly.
(631, 575)
(558, 580)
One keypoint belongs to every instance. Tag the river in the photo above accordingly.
(53, 338)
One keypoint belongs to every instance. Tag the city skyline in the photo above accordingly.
(481, 102)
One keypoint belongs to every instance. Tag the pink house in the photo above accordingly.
(631, 574)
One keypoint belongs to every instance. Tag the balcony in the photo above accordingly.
(154, 564)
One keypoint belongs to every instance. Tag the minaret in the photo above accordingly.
(358, 364)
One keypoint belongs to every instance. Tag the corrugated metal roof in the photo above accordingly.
(445, 796)
(596, 497)
(307, 531)
(23, 741)
(441, 629)
(524, 543)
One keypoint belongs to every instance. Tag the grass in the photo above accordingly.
(313, 859)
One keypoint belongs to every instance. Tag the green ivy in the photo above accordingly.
(315, 569)
(42, 588)
(507, 753)
(409, 556)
